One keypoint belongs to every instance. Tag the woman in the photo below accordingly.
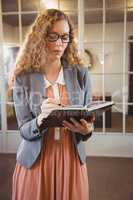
(48, 74)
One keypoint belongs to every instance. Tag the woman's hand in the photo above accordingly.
(48, 105)
(84, 127)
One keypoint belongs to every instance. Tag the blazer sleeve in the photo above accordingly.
(27, 123)
(87, 99)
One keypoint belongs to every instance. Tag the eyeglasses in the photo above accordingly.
(53, 37)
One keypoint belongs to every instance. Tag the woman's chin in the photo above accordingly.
(57, 56)
(54, 56)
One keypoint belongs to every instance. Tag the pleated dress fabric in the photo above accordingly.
(57, 174)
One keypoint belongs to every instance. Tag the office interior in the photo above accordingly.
(104, 34)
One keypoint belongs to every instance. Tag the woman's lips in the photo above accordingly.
(57, 51)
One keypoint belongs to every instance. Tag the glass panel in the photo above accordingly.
(94, 17)
(8, 95)
(114, 3)
(27, 20)
(11, 118)
(0, 88)
(8, 91)
(113, 87)
(94, 56)
(1, 57)
(73, 17)
(96, 82)
(0, 117)
(129, 4)
(30, 5)
(49, 4)
(113, 91)
(113, 57)
(107, 115)
(98, 123)
(10, 29)
(10, 54)
(129, 56)
(0, 102)
(130, 23)
(114, 119)
(114, 25)
(129, 101)
(9, 5)
(129, 119)
(68, 4)
(92, 4)
(93, 26)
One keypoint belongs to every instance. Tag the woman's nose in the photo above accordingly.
(59, 41)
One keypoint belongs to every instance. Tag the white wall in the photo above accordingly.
(111, 145)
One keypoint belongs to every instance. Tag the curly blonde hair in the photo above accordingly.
(29, 56)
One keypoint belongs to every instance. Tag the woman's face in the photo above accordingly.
(57, 39)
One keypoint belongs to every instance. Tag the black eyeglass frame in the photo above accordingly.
(59, 36)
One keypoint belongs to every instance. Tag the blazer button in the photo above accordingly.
(35, 131)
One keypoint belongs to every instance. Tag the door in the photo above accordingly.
(130, 78)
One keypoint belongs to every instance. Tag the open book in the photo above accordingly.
(78, 112)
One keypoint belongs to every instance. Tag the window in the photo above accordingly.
(108, 36)
(107, 30)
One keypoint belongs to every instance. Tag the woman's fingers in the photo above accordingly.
(82, 127)
(51, 100)
(84, 122)
(50, 103)
(69, 126)
(88, 125)
(76, 123)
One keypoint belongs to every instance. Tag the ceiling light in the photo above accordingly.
(50, 3)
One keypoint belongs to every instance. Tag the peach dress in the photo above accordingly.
(57, 173)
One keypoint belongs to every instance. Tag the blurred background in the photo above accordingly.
(104, 33)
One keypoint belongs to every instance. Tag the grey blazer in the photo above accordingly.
(28, 94)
